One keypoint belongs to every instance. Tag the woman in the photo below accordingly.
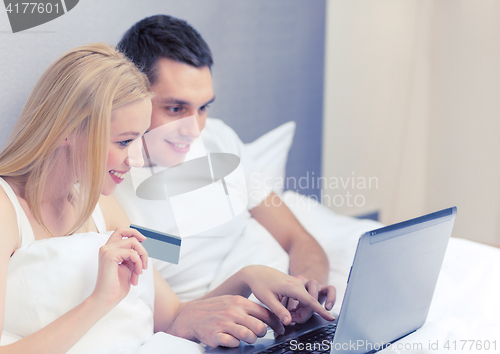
(72, 143)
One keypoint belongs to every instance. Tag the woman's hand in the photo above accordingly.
(121, 261)
(271, 287)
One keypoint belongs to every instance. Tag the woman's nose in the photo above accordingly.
(135, 158)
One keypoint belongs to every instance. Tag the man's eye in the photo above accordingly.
(204, 108)
(125, 143)
(174, 109)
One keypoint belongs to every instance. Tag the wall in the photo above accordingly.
(269, 59)
(411, 98)
(375, 105)
(464, 159)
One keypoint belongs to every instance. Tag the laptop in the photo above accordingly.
(389, 292)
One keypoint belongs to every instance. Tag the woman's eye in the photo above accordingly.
(204, 108)
(125, 143)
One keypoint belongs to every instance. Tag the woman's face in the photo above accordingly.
(128, 124)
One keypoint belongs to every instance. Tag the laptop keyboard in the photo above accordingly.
(315, 339)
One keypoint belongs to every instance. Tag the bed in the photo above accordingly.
(465, 311)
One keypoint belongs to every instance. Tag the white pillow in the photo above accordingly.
(270, 154)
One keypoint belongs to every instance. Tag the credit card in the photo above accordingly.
(160, 245)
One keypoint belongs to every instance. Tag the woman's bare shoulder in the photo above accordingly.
(114, 214)
(9, 238)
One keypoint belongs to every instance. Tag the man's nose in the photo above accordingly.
(189, 127)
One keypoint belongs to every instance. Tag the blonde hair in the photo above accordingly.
(74, 96)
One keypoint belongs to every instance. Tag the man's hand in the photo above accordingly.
(308, 261)
(271, 287)
(224, 321)
(324, 293)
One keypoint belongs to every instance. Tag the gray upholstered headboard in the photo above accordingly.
(268, 61)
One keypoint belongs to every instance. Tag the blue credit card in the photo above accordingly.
(160, 245)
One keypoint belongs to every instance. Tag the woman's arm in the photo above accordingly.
(9, 242)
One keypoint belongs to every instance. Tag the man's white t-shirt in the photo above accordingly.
(209, 257)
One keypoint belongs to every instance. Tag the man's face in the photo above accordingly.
(181, 91)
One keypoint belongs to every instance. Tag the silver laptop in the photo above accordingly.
(389, 292)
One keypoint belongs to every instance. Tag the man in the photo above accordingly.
(177, 62)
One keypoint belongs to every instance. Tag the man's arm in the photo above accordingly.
(308, 261)
(307, 258)
(224, 316)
